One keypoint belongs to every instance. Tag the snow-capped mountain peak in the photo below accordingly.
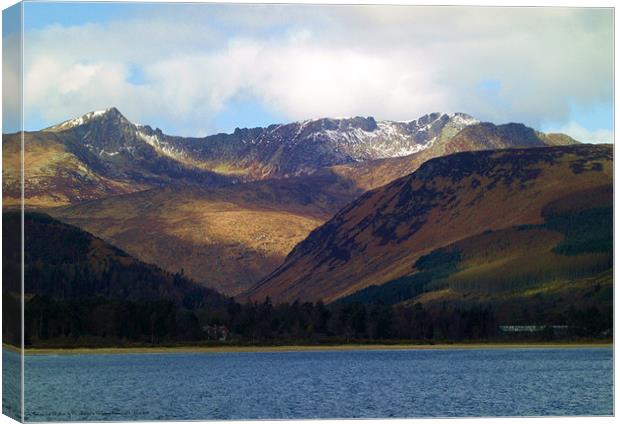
(87, 118)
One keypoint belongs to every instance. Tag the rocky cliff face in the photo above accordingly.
(304, 147)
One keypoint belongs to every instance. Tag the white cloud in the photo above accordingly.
(311, 61)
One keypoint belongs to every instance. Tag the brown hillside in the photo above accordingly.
(53, 175)
(379, 237)
(227, 238)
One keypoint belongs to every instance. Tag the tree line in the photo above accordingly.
(96, 321)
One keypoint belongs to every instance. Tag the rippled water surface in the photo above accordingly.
(330, 384)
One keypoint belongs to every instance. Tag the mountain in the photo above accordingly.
(381, 236)
(111, 145)
(303, 147)
(93, 156)
(559, 271)
(473, 137)
(110, 141)
(102, 153)
(227, 238)
(54, 175)
(226, 208)
(231, 237)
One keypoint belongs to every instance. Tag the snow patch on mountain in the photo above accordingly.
(463, 119)
(103, 152)
(161, 146)
(81, 120)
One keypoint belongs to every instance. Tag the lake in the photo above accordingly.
(320, 384)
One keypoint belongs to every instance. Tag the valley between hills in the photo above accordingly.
(384, 230)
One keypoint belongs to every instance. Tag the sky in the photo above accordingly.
(199, 69)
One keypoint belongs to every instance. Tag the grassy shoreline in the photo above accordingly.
(295, 348)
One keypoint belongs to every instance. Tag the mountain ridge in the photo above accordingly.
(102, 153)
(278, 147)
